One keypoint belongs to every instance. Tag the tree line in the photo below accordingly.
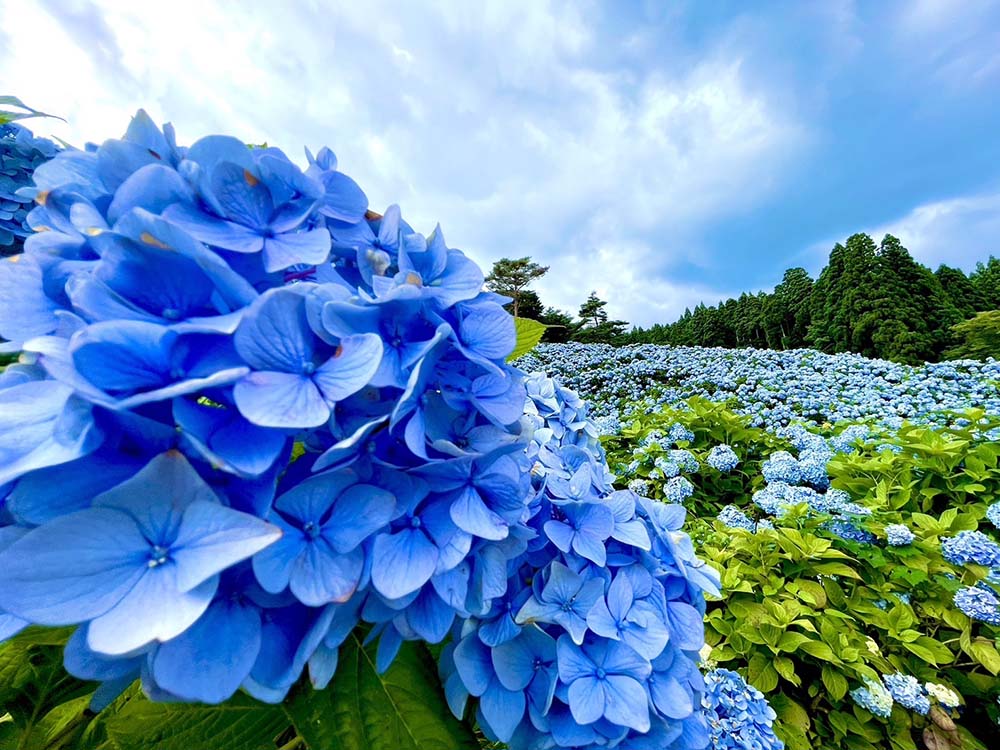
(871, 299)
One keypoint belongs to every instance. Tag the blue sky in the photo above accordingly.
(659, 153)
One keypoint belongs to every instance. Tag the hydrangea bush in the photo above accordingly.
(20, 153)
(864, 603)
(257, 429)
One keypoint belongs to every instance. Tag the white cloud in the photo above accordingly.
(493, 118)
(957, 231)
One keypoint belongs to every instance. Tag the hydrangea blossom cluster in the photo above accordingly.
(899, 535)
(722, 458)
(944, 695)
(595, 638)
(993, 514)
(907, 691)
(773, 388)
(20, 153)
(874, 698)
(735, 518)
(738, 714)
(971, 547)
(980, 603)
(190, 319)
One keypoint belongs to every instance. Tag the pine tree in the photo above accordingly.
(986, 279)
(510, 277)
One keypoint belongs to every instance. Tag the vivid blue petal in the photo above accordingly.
(291, 248)
(208, 662)
(429, 616)
(59, 574)
(503, 709)
(152, 610)
(280, 399)
(402, 562)
(514, 661)
(122, 356)
(213, 537)
(671, 698)
(343, 199)
(321, 575)
(274, 333)
(358, 512)
(243, 196)
(273, 566)
(470, 514)
(687, 627)
(351, 368)
(474, 664)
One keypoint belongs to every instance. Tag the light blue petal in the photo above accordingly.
(280, 399)
(213, 231)
(73, 568)
(208, 661)
(152, 610)
(402, 562)
(321, 575)
(351, 368)
(213, 537)
(586, 699)
(292, 248)
(625, 703)
(127, 355)
(573, 663)
(153, 188)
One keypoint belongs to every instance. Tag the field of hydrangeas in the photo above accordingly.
(852, 508)
(276, 473)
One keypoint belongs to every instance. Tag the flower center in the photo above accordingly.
(415, 522)
(601, 674)
(157, 556)
(171, 313)
(311, 529)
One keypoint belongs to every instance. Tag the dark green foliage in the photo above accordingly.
(872, 299)
(805, 616)
(977, 338)
(595, 328)
(986, 279)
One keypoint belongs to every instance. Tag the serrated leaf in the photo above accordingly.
(403, 709)
(529, 333)
(241, 723)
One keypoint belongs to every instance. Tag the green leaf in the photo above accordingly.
(835, 682)
(403, 709)
(12, 101)
(240, 723)
(529, 333)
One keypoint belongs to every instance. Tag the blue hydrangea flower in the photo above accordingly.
(738, 714)
(971, 547)
(899, 535)
(722, 458)
(993, 514)
(874, 697)
(678, 489)
(979, 603)
(907, 691)
(735, 518)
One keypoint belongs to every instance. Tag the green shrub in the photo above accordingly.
(806, 616)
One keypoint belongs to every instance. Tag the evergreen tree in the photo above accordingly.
(960, 291)
(510, 277)
(986, 279)
(596, 328)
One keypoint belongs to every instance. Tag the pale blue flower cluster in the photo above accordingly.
(874, 698)
(971, 547)
(907, 691)
(993, 514)
(979, 603)
(739, 716)
(722, 458)
(899, 535)
(678, 489)
(773, 388)
(20, 153)
(594, 637)
(735, 518)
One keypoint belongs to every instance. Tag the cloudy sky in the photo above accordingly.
(660, 153)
